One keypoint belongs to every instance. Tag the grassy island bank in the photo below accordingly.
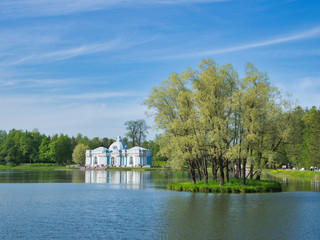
(234, 186)
(294, 174)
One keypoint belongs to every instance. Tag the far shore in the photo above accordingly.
(307, 174)
(47, 167)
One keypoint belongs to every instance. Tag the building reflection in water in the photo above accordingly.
(315, 185)
(134, 179)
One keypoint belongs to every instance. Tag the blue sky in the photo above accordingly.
(70, 66)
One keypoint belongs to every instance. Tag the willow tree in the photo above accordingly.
(174, 115)
(212, 116)
(261, 120)
(214, 87)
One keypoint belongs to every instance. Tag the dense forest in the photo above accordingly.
(212, 118)
(19, 147)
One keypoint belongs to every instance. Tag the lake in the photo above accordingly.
(136, 205)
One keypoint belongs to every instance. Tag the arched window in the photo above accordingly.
(95, 161)
(131, 160)
(112, 161)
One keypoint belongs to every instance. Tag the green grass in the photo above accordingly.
(33, 166)
(159, 163)
(294, 174)
(234, 186)
(133, 169)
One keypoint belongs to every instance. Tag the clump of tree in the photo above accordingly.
(19, 147)
(211, 117)
(155, 147)
(303, 146)
(79, 154)
(136, 132)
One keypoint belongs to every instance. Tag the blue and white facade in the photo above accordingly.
(118, 155)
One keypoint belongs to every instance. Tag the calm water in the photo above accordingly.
(135, 205)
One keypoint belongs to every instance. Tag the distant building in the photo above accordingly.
(119, 155)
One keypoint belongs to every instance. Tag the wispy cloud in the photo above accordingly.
(81, 50)
(310, 33)
(99, 95)
(40, 55)
(90, 118)
(309, 83)
(305, 90)
(56, 98)
(25, 82)
(34, 8)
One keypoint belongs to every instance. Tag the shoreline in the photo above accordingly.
(52, 167)
(307, 175)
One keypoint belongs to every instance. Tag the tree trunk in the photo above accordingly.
(221, 171)
(251, 171)
(243, 174)
(204, 171)
(192, 173)
(205, 174)
(214, 169)
(238, 170)
(227, 171)
(199, 171)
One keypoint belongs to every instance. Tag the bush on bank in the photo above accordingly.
(234, 186)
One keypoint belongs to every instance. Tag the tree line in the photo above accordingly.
(18, 147)
(212, 117)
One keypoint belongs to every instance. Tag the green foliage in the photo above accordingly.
(44, 151)
(137, 131)
(210, 116)
(78, 155)
(18, 147)
(157, 157)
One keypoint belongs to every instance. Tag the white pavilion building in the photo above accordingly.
(118, 155)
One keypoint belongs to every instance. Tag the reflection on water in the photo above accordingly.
(43, 176)
(132, 178)
(296, 184)
(242, 216)
(315, 186)
(130, 205)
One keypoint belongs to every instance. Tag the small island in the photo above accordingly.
(233, 186)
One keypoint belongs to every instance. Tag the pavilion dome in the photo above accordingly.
(118, 145)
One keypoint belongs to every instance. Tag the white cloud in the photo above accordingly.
(309, 33)
(308, 83)
(101, 119)
(31, 8)
(100, 95)
(41, 55)
(304, 90)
